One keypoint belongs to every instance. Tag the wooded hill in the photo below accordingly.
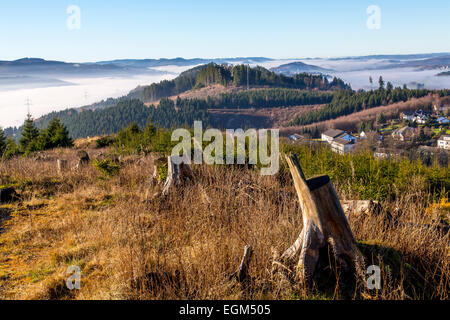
(269, 91)
(273, 91)
(347, 102)
(167, 114)
(237, 76)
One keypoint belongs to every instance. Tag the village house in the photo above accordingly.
(403, 134)
(295, 137)
(444, 142)
(381, 154)
(331, 134)
(421, 118)
(341, 142)
(342, 146)
(408, 116)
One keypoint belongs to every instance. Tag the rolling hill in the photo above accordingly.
(293, 68)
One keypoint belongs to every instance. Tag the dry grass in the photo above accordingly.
(130, 246)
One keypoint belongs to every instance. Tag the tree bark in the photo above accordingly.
(242, 271)
(62, 166)
(176, 174)
(324, 223)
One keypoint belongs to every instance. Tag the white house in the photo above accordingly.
(342, 146)
(408, 116)
(421, 118)
(444, 142)
(295, 137)
(331, 134)
(381, 154)
(403, 134)
(340, 141)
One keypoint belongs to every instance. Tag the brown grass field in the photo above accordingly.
(132, 246)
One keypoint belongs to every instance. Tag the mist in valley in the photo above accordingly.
(47, 93)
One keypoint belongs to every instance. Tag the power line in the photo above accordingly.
(28, 104)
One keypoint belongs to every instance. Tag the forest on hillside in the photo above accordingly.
(269, 98)
(346, 102)
(166, 114)
(237, 76)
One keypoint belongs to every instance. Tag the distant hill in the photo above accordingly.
(293, 68)
(444, 74)
(181, 62)
(432, 63)
(227, 75)
(41, 67)
(394, 56)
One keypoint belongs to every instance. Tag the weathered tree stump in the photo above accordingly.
(241, 273)
(324, 223)
(62, 166)
(83, 159)
(176, 175)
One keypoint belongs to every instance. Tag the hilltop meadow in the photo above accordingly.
(131, 244)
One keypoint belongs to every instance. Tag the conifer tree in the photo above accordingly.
(381, 118)
(30, 134)
(2, 142)
(58, 135)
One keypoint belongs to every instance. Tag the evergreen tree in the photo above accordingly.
(362, 127)
(381, 118)
(389, 86)
(57, 135)
(381, 83)
(30, 134)
(11, 148)
(2, 142)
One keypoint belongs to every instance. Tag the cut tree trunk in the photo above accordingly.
(241, 273)
(324, 223)
(83, 160)
(176, 174)
(62, 166)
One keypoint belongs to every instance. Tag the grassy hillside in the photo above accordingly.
(130, 245)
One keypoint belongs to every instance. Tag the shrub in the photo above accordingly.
(107, 167)
(105, 142)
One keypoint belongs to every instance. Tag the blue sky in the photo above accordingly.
(197, 28)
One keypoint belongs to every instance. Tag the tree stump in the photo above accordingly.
(62, 166)
(83, 159)
(242, 271)
(176, 174)
(324, 223)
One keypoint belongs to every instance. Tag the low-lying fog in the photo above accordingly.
(47, 95)
(69, 93)
(356, 72)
